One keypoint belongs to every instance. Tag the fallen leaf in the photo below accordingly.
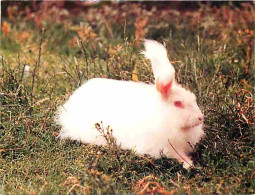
(134, 74)
(23, 36)
(5, 28)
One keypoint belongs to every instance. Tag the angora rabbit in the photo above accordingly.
(147, 118)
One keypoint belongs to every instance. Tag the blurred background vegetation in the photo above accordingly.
(49, 48)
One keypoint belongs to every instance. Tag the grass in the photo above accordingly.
(214, 58)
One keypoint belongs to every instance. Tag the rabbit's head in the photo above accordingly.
(182, 103)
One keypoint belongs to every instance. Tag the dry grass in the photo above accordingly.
(212, 51)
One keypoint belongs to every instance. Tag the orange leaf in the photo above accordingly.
(23, 36)
(5, 28)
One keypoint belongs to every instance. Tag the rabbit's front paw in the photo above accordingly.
(186, 162)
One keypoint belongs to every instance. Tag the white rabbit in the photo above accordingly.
(147, 118)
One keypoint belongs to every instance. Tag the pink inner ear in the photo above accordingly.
(164, 89)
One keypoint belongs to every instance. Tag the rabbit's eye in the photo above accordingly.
(178, 104)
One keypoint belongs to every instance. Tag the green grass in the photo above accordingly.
(211, 57)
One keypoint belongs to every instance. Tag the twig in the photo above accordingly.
(43, 186)
(75, 185)
(34, 142)
(45, 118)
(151, 187)
(143, 157)
(85, 189)
(178, 153)
(37, 64)
(81, 45)
(22, 73)
(53, 76)
(3, 68)
(253, 173)
(191, 147)
(18, 63)
(28, 132)
(9, 149)
(77, 68)
(69, 74)
(108, 28)
(174, 183)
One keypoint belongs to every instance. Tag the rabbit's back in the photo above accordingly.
(133, 110)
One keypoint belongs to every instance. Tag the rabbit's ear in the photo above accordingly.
(163, 70)
(164, 89)
(157, 54)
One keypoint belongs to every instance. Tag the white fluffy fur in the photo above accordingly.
(161, 66)
(140, 118)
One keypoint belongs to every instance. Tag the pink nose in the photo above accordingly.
(201, 118)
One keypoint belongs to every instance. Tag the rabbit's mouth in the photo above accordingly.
(187, 128)
(198, 124)
(193, 125)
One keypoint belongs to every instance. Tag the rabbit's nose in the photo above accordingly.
(201, 118)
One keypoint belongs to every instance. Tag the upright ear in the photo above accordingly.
(163, 70)
(157, 54)
(164, 89)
